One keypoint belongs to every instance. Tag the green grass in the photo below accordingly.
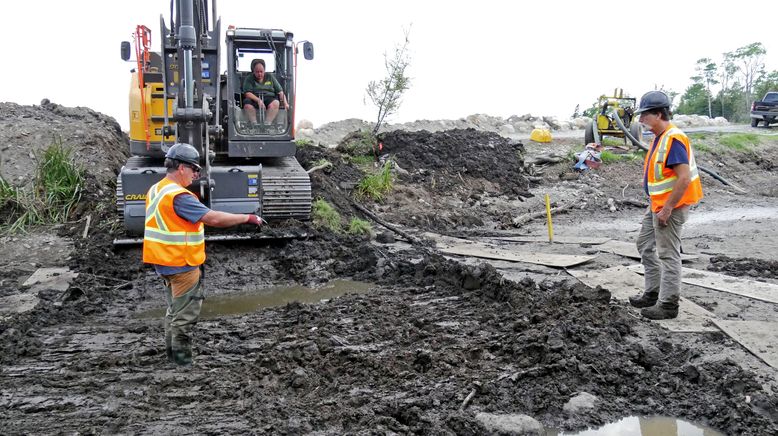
(698, 136)
(325, 216)
(376, 185)
(611, 157)
(613, 142)
(55, 190)
(303, 142)
(740, 141)
(359, 227)
(701, 146)
(363, 160)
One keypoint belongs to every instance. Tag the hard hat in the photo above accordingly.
(184, 153)
(540, 135)
(653, 100)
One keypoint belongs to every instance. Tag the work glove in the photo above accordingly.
(256, 220)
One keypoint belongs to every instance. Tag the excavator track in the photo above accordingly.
(286, 190)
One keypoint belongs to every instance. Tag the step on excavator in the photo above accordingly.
(179, 95)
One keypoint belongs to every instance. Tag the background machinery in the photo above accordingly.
(613, 110)
(178, 95)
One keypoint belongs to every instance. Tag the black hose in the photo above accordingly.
(644, 147)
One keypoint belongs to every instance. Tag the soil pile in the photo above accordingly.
(460, 161)
(746, 266)
(97, 140)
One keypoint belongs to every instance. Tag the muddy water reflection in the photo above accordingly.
(653, 426)
(221, 305)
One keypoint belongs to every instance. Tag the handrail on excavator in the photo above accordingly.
(143, 56)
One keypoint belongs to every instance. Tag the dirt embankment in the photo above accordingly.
(401, 358)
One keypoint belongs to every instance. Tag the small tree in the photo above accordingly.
(386, 93)
(707, 71)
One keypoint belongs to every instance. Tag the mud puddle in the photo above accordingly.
(229, 305)
(646, 426)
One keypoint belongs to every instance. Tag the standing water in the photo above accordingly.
(651, 426)
(238, 304)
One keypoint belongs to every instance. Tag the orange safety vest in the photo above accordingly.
(169, 239)
(661, 179)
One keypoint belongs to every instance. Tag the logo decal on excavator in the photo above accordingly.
(135, 197)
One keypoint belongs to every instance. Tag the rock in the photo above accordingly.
(580, 402)
(507, 129)
(304, 124)
(513, 424)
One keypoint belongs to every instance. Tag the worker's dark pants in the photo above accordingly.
(660, 253)
(182, 314)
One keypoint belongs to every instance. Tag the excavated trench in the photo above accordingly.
(425, 345)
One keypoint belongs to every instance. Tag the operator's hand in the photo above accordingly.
(256, 220)
(663, 215)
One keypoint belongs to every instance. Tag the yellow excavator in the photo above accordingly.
(179, 95)
(613, 110)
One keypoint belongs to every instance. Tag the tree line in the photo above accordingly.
(728, 87)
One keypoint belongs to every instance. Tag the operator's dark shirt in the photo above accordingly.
(676, 155)
(268, 87)
(187, 207)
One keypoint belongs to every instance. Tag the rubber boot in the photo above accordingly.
(182, 350)
(647, 299)
(661, 311)
(169, 346)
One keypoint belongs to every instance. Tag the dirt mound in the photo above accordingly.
(443, 160)
(746, 266)
(97, 140)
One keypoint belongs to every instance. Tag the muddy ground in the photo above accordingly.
(432, 344)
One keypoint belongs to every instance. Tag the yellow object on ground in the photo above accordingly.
(540, 135)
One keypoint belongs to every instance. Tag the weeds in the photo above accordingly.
(375, 186)
(359, 227)
(325, 216)
(55, 190)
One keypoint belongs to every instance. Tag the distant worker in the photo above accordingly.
(672, 182)
(261, 91)
(174, 242)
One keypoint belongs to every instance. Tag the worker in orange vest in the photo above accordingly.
(174, 242)
(672, 182)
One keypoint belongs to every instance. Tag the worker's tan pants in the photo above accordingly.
(185, 299)
(660, 253)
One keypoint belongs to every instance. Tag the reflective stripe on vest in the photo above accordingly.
(662, 184)
(155, 197)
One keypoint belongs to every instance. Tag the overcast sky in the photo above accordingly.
(489, 56)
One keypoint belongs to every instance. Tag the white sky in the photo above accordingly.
(498, 57)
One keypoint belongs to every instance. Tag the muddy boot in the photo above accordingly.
(169, 346)
(182, 351)
(661, 311)
(647, 299)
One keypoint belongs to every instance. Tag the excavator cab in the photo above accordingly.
(263, 138)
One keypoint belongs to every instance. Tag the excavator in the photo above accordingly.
(179, 95)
